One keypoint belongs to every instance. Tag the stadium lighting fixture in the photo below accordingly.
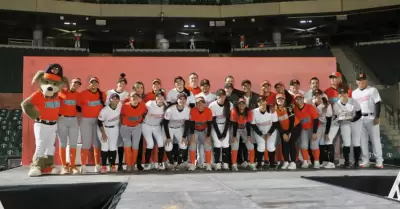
(302, 21)
(67, 23)
(73, 23)
(186, 26)
(192, 26)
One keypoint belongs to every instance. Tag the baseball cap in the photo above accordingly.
(220, 92)
(361, 76)
(265, 83)
(280, 96)
(246, 81)
(241, 100)
(279, 83)
(204, 82)
(160, 93)
(181, 95)
(298, 95)
(114, 95)
(335, 75)
(294, 81)
(317, 92)
(200, 99)
(342, 90)
(76, 80)
(228, 85)
(156, 81)
(94, 79)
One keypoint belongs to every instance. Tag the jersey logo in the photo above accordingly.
(241, 126)
(114, 119)
(305, 120)
(94, 103)
(156, 115)
(283, 117)
(333, 100)
(70, 102)
(134, 119)
(52, 104)
(265, 123)
(365, 98)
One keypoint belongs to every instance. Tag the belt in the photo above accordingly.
(367, 114)
(220, 123)
(130, 126)
(200, 130)
(65, 116)
(109, 126)
(47, 122)
(175, 127)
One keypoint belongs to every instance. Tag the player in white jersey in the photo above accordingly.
(151, 127)
(264, 124)
(205, 92)
(123, 95)
(221, 110)
(348, 114)
(314, 85)
(180, 88)
(325, 113)
(108, 132)
(176, 126)
(294, 87)
(370, 101)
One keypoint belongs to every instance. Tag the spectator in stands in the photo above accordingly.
(314, 85)
(235, 93)
(194, 84)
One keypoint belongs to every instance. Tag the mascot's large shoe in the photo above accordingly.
(49, 167)
(36, 166)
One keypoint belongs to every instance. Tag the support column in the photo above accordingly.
(38, 36)
(276, 37)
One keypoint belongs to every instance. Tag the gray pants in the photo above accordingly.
(88, 128)
(200, 145)
(131, 135)
(67, 131)
(242, 134)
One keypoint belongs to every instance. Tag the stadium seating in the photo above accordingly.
(10, 133)
(160, 53)
(284, 52)
(383, 59)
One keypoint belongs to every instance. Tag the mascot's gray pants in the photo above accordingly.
(45, 137)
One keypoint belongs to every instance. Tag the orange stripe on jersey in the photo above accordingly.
(195, 91)
(306, 115)
(132, 116)
(283, 118)
(151, 96)
(240, 119)
(68, 100)
(200, 119)
(48, 108)
(90, 103)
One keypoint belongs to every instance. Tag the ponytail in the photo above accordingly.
(227, 108)
(101, 97)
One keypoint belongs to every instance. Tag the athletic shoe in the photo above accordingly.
(218, 166)
(292, 166)
(364, 165)
(208, 167)
(147, 167)
(120, 168)
(244, 164)
(74, 171)
(337, 162)
(161, 167)
(64, 170)
(324, 164)
(235, 167)
(113, 169)
(201, 166)
(252, 166)
(129, 168)
(103, 169)
(272, 166)
(329, 165)
(83, 169)
(346, 165)
(97, 169)
(139, 167)
(192, 167)
(356, 165)
(304, 164)
(379, 165)
(225, 166)
(285, 165)
(316, 164)
(153, 166)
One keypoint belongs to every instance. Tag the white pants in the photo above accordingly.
(176, 133)
(77, 44)
(220, 143)
(270, 145)
(192, 46)
(45, 137)
(153, 131)
(370, 132)
(331, 135)
(111, 143)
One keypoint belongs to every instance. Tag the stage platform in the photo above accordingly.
(225, 190)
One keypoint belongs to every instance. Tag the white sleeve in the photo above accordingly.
(375, 96)
(335, 109)
(231, 106)
(103, 114)
(357, 106)
(167, 114)
(329, 112)
(254, 117)
(274, 117)
(187, 114)
(191, 98)
(169, 96)
(108, 94)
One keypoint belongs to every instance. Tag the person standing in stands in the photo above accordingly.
(314, 85)
(123, 96)
(235, 93)
(266, 92)
(194, 84)
(68, 127)
(91, 101)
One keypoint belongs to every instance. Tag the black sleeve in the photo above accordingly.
(234, 128)
(280, 129)
(191, 105)
(192, 123)
(315, 125)
(289, 98)
(357, 116)
(377, 109)
(209, 124)
(226, 128)
(100, 123)
(187, 128)
(291, 123)
(273, 127)
(328, 125)
(166, 128)
(248, 128)
(256, 129)
(215, 125)
(78, 108)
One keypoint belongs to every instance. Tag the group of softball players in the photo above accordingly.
(189, 127)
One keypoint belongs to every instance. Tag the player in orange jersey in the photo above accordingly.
(266, 91)
(91, 102)
(68, 127)
(193, 84)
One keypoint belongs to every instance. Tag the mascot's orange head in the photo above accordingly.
(51, 80)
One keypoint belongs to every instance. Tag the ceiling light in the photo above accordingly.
(67, 23)
(186, 26)
(302, 21)
(193, 26)
(73, 23)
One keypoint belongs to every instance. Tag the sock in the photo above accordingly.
(266, 157)
(72, 157)
(120, 156)
(346, 154)
(208, 156)
(97, 154)
(304, 154)
(225, 155)
(148, 155)
(180, 156)
(104, 156)
(217, 154)
(144, 147)
(84, 156)
(192, 154)
(185, 155)
(234, 156)
(331, 153)
(160, 154)
(128, 155)
(112, 155)
(251, 155)
(165, 158)
(271, 156)
(278, 153)
(154, 154)
(175, 149)
(316, 154)
(259, 158)
(170, 156)
(357, 153)
(63, 156)
(134, 156)
(323, 153)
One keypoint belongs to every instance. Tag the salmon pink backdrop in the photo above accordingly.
(145, 69)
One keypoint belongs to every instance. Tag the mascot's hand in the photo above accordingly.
(29, 109)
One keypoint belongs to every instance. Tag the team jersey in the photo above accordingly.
(283, 117)
(218, 111)
(195, 91)
(173, 93)
(333, 95)
(367, 98)
(132, 116)
(308, 96)
(264, 120)
(271, 98)
(109, 116)
(177, 118)
(240, 119)
(90, 103)
(122, 96)
(200, 119)
(306, 115)
(324, 112)
(48, 108)
(150, 96)
(155, 113)
(210, 97)
(68, 101)
(346, 111)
